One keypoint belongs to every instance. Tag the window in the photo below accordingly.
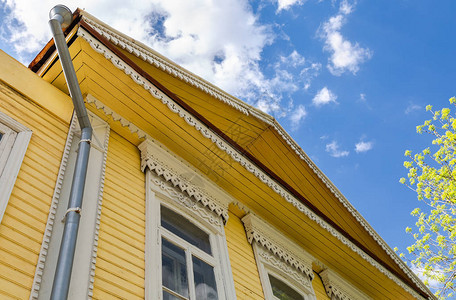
(185, 250)
(285, 268)
(187, 261)
(186, 256)
(283, 291)
(14, 139)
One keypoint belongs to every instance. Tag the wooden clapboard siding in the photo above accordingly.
(245, 272)
(319, 288)
(22, 227)
(119, 271)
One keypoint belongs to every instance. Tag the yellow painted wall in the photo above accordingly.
(245, 272)
(24, 221)
(319, 289)
(119, 271)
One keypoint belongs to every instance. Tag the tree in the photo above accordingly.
(432, 175)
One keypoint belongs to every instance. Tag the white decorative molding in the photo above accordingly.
(14, 143)
(115, 116)
(339, 289)
(98, 214)
(88, 242)
(147, 54)
(265, 178)
(52, 211)
(189, 202)
(273, 260)
(163, 163)
(272, 239)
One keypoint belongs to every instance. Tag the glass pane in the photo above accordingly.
(205, 287)
(283, 291)
(174, 269)
(185, 229)
(168, 296)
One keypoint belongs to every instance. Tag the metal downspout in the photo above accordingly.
(60, 16)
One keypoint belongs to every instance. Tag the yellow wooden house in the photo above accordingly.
(190, 192)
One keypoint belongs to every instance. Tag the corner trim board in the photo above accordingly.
(52, 211)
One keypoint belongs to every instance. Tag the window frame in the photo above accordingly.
(266, 268)
(190, 250)
(169, 196)
(279, 256)
(13, 145)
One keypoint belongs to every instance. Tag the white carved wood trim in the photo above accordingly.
(237, 156)
(98, 213)
(337, 287)
(52, 211)
(269, 264)
(191, 204)
(151, 57)
(94, 102)
(162, 162)
(272, 239)
(18, 139)
(89, 242)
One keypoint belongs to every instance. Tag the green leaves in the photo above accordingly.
(432, 175)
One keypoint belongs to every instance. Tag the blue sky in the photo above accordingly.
(349, 80)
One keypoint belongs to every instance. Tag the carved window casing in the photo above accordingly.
(186, 250)
(339, 289)
(14, 139)
(285, 268)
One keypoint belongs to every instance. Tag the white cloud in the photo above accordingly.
(412, 108)
(309, 73)
(294, 59)
(334, 151)
(220, 41)
(362, 97)
(286, 4)
(345, 56)
(324, 96)
(294, 72)
(297, 115)
(363, 146)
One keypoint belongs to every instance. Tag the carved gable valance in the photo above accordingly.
(259, 231)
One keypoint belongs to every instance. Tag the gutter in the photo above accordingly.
(60, 16)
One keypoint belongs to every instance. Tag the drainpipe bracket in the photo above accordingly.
(75, 209)
(85, 140)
